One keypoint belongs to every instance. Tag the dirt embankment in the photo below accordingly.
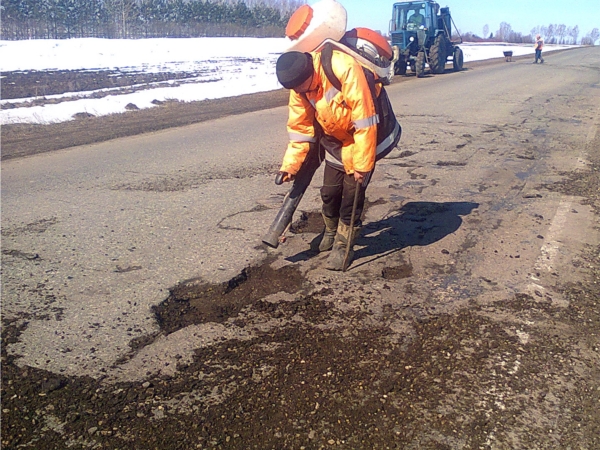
(25, 139)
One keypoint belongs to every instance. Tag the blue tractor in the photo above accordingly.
(422, 34)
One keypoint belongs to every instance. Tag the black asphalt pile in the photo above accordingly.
(307, 385)
(194, 302)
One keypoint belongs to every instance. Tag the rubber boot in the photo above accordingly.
(338, 253)
(331, 225)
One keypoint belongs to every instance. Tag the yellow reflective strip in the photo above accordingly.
(332, 159)
(383, 145)
(366, 123)
(331, 93)
(297, 137)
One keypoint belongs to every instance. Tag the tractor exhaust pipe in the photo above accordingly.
(292, 199)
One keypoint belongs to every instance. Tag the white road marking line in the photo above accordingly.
(592, 134)
(552, 245)
(582, 159)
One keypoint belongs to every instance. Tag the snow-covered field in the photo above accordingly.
(223, 67)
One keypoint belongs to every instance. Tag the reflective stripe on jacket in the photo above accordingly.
(349, 116)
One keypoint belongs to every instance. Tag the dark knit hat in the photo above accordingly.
(294, 68)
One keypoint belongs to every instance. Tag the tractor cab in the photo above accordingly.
(421, 34)
(412, 16)
(413, 22)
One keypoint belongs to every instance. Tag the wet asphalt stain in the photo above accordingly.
(397, 272)
(22, 255)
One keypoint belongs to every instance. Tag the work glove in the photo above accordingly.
(283, 177)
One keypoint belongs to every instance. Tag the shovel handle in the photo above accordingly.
(352, 220)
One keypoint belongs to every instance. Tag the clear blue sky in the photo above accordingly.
(471, 15)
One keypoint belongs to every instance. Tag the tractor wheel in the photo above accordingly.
(458, 59)
(437, 55)
(420, 65)
(400, 66)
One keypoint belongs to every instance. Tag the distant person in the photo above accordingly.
(539, 45)
(417, 18)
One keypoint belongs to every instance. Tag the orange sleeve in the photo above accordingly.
(356, 92)
(301, 132)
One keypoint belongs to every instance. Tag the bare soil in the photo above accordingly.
(39, 84)
(25, 139)
(307, 385)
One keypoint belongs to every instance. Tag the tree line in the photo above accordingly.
(63, 19)
(552, 34)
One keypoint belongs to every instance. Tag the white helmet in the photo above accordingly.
(365, 46)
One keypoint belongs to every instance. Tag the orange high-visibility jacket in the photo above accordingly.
(348, 116)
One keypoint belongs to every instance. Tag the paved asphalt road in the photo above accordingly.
(94, 236)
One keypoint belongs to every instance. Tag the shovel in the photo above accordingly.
(352, 220)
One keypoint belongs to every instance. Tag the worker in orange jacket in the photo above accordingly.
(539, 45)
(344, 125)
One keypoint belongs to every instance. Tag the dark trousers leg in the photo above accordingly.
(331, 191)
(350, 188)
(337, 194)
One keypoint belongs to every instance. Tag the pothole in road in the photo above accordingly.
(308, 222)
(312, 221)
(192, 302)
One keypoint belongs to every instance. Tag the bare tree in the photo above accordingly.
(504, 32)
(574, 34)
(551, 34)
(121, 13)
(561, 32)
